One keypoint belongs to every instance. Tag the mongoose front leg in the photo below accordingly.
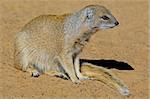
(77, 69)
(67, 63)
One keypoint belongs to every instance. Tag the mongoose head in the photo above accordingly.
(99, 17)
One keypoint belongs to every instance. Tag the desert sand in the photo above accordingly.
(123, 49)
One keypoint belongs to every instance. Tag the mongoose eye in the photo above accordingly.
(105, 17)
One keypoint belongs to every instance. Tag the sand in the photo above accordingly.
(119, 49)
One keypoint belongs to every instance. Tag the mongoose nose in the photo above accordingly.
(117, 23)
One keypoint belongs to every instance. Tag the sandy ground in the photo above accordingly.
(125, 44)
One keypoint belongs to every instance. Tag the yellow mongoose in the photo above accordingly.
(54, 42)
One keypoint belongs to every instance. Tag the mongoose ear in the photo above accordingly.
(89, 13)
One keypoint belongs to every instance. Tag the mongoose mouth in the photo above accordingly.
(107, 27)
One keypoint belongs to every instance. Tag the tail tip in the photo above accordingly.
(124, 91)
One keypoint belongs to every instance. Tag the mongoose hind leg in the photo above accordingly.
(20, 54)
(104, 75)
(36, 73)
(21, 62)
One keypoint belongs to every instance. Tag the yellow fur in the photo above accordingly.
(54, 42)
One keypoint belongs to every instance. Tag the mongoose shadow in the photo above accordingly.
(109, 64)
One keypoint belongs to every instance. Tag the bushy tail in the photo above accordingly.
(105, 76)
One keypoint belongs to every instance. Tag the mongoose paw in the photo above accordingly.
(124, 91)
(63, 76)
(35, 74)
(76, 81)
